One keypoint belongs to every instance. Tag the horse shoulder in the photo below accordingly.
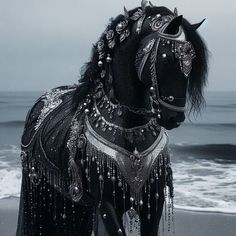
(47, 125)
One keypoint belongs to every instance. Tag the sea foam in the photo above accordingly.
(10, 182)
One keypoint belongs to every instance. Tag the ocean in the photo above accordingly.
(203, 152)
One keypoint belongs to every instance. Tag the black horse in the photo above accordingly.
(99, 149)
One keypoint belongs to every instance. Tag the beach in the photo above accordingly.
(187, 223)
(203, 156)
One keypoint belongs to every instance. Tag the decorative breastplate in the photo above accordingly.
(131, 171)
(134, 168)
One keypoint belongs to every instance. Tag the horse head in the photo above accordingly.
(171, 62)
(157, 58)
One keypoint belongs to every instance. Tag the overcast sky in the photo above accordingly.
(44, 43)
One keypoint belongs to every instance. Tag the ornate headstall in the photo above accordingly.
(182, 49)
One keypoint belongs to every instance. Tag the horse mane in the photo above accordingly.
(90, 71)
(199, 71)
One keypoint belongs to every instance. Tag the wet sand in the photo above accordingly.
(188, 223)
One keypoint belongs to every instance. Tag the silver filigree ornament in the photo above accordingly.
(185, 53)
(51, 101)
(137, 15)
(136, 160)
(23, 156)
(100, 48)
(123, 30)
(110, 38)
(74, 141)
(142, 56)
(34, 177)
(159, 21)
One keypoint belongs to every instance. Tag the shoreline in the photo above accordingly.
(187, 222)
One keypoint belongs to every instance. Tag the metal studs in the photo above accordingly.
(164, 55)
(100, 63)
(64, 216)
(119, 26)
(86, 111)
(171, 98)
(108, 59)
(152, 89)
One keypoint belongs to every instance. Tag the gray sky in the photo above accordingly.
(44, 43)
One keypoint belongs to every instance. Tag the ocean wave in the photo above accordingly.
(199, 186)
(10, 182)
(205, 186)
(211, 125)
(232, 105)
(9, 156)
(218, 152)
(14, 123)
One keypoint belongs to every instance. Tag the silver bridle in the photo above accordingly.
(182, 49)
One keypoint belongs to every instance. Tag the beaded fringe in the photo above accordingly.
(113, 173)
(44, 185)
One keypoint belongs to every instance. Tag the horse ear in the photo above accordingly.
(151, 5)
(143, 5)
(173, 27)
(176, 12)
(126, 13)
(196, 26)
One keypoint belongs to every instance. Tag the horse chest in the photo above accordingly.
(126, 168)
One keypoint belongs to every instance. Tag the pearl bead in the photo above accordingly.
(100, 63)
(164, 55)
(76, 189)
(104, 216)
(152, 89)
(131, 199)
(119, 231)
(119, 26)
(108, 59)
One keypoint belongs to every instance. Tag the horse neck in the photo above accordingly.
(128, 89)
